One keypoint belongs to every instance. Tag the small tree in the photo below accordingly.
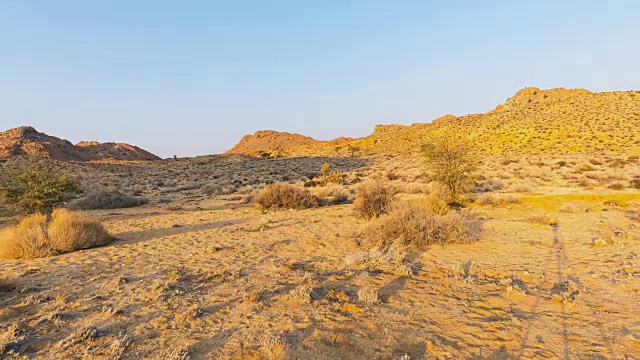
(331, 176)
(38, 190)
(451, 165)
(326, 170)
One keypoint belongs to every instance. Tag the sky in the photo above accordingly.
(191, 77)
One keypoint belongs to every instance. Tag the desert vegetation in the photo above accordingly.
(281, 196)
(373, 200)
(416, 224)
(38, 190)
(451, 165)
(107, 199)
(475, 247)
(37, 236)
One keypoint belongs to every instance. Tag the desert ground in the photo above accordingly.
(199, 273)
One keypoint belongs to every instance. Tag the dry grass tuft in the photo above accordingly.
(284, 196)
(70, 231)
(368, 295)
(569, 208)
(542, 220)
(373, 200)
(301, 294)
(414, 224)
(36, 237)
(333, 194)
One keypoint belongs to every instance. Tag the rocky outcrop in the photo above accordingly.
(27, 141)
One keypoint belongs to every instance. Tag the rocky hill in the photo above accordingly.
(27, 141)
(269, 141)
(533, 121)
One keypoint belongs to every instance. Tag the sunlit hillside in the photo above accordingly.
(533, 121)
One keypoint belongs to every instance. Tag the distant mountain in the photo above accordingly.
(533, 121)
(27, 141)
(268, 141)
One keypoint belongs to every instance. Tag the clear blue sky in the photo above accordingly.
(191, 77)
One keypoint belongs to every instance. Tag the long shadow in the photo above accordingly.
(133, 237)
(536, 304)
(392, 287)
(559, 262)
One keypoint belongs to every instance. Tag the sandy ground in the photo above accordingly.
(205, 277)
(232, 282)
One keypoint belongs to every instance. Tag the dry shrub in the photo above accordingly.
(36, 237)
(542, 220)
(616, 186)
(108, 199)
(490, 185)
(635, 183)
(28, 239)
(434, 205)
(70, 231)
(569, 208)
(333, 191)
(212, 189)
(490, 199)
(284, 196)
(414, 224)
(373, 200)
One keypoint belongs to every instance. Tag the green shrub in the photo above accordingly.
(373, 200)
(452, 165)
(329, 176)
(284, 196)
(38, 190)
(107, 199)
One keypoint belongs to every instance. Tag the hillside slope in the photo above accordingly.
(268, 141)
(27, 141)
(533, 121)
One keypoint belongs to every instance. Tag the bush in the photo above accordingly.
(490, 185)
(37, 190)
(616, 186)
(490, 199)
(413, 224)
(451, 165)
(635, 183)
(107, 199)
(35, 236)
(329, 176)
(333, 194)
(284, 196)
(543, 220)
(212, 189)
(434, 205)
(569, 208)
(372, 200)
